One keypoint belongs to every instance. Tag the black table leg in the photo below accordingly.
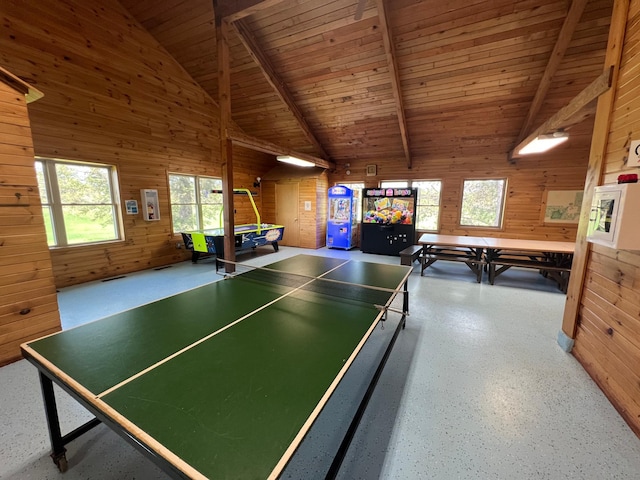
(58, 452)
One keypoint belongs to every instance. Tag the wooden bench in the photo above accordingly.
(559, 273)
(470, 256)
(411, 254)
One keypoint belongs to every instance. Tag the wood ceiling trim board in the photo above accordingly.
(292, 20)
(444, 12)
(148, 9)
(564, 39)
(339, 53)
(176, 20)
(368, 40)
(291, 9)
(233, 10)
(291, 36)
(515, 23)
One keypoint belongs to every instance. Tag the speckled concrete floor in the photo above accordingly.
(475, 388)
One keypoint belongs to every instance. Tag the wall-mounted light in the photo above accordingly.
(295, 161)
(256, 184)
(542, 143)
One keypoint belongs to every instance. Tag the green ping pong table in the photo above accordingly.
(225, 380)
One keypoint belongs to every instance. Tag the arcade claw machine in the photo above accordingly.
(341, 224)
(388, 224)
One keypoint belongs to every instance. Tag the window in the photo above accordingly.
(394, 184)
(483, 203)
(193, 205)
(80, 202)
(357, 197)
(427, 204)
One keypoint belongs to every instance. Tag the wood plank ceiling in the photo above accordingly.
(401, 80)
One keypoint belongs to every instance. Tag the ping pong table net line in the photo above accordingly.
(244, 268)
(306, 281)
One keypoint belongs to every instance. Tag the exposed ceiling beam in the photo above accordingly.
(560, 48)
(395, 78)
(31, 94)
(249, 41)
(244, 140)
(234, 10)
(577, 110)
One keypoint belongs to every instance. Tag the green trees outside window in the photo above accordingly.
(193, 204)
(483, 203)
(80, 203)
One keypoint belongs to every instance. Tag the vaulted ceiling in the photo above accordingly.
(403, 80)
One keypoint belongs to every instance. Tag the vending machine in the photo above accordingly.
(388, 224)
(341, 225)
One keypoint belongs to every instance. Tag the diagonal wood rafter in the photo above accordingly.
(576, 110)
(249, 41)
(395, 78)
(234, 10)
(560, 48)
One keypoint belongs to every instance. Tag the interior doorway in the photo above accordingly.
(287, 200)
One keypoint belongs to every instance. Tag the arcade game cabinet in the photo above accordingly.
(341, 224)
(388, 220)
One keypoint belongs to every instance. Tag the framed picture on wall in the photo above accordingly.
(371, 170)
(132, 207)
(562, 206)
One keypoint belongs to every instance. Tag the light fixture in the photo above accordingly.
(256, 184)
(542, 143)
(295, 161)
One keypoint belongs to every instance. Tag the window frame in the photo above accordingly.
(394, 184)
(413, 182)
(56, 207)
(503, 202)
(198, 197)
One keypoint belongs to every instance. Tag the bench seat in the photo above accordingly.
(410, 255)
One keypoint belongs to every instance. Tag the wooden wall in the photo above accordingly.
(28, 301)
(527, 180)
(607, 341)
(114, 95)
(313, 188)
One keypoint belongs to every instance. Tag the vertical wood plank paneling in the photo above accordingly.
(607, 339)
(28, 301)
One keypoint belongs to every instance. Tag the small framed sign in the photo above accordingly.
(132, 207)
(371, 170)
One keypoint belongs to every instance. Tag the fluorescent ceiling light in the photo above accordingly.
(542, 143)
(295, 161)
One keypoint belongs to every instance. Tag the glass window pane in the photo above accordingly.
(427, 204)
(85, 224)
(182, 189)
(208, 184)
(42, 185)
(394, 184)
(212, 216)
(427, 218)
(185, 218)
(482, 202)
(82, 184)
(48, 225)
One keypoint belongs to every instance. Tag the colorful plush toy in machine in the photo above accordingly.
(389, 216)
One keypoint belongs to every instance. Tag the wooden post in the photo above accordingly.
(226, 148)
(594, 170)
